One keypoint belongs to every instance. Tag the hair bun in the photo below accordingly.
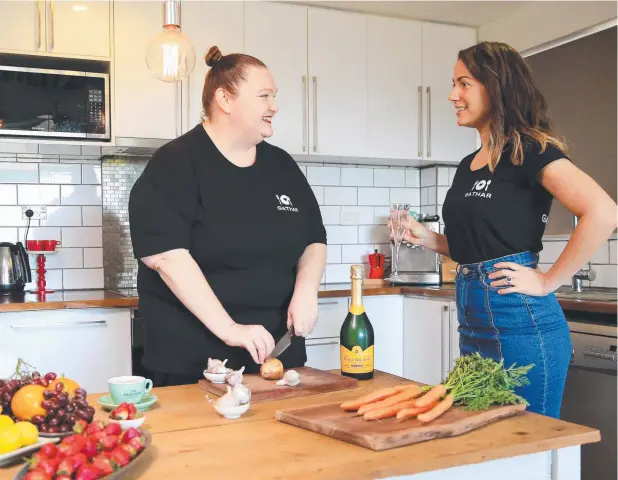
(213, 56)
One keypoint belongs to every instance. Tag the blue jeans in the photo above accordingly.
(518, 328)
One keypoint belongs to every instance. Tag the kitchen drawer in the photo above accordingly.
(331, 314)
(88, 346)
(323, 353)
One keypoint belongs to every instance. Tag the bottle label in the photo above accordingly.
(356, 360)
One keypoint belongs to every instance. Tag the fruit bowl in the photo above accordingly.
(232, 411)
(126, 424)
(215, 377)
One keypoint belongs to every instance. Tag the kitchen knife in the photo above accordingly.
(282, 344)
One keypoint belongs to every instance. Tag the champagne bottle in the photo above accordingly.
(356, 337)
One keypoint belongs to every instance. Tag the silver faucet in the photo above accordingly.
(588, 274)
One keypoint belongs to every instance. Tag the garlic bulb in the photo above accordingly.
(220, 368)
(228, 400)
(242, 393)
(212, 362)
(291, 378)
(234, 377)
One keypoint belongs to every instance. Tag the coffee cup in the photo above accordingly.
(130, 389)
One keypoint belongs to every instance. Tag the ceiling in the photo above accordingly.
(462, 12)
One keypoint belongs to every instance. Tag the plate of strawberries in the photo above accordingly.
(99, 450)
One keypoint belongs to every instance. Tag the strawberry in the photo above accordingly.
(79, 459)
(49, 466)
(75, 438)
(94, 427)
(132, 411)
(120, 457)
(99, 436)
(121, 412)
(103, 464)
(37, 475)
(80, 426)
(138, 443)
(113, 429)
(130, 449)
(90, 447)
(62, 477)
(68, 450)
(49, 450)
(66, 466)
(128, 434)
(109, 442)
(36, 458)
(88, 472)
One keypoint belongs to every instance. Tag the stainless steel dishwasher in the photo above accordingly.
(590, 391)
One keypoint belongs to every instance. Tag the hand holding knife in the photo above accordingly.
(282, 344)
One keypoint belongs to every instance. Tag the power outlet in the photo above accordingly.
(40, 212)
(349, 217)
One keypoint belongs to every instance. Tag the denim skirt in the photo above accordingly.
(516, 328)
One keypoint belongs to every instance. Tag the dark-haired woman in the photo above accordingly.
(228, 235)
(495, 215)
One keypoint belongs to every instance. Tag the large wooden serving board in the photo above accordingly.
(330, 420)
(312, 381)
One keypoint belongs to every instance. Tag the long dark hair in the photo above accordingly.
(518, 114)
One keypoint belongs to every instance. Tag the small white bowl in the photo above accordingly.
(232, 412)
(215, 377)
(126, 424)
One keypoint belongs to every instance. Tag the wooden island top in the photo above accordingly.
(191, 441)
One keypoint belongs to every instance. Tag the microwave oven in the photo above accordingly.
(38, 102)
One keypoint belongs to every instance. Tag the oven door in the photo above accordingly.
(38, 102)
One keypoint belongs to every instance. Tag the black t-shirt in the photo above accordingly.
(245, 227)
(489, 215)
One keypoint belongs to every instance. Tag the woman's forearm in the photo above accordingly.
(311, 268)
(437, 242)
(184, 278)
(592, 231)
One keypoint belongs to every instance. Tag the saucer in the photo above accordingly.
(148, 401)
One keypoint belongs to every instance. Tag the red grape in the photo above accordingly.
(63, 399)
(70, 408)
(44, 428)
(50, 376)
(81, 392)
(54, 422)
(61, 413)
(64, 428)
(36, 374)
(46, 404)
(37, 419)
(47, 394)
(7, 397)
(59, 387)
(2, 383)
(54, 429)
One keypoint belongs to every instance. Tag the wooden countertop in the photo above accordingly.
(190, 438)
(107, 299)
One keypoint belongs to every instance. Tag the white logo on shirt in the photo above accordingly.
(285, 203)
(479, 189)
(544, 218)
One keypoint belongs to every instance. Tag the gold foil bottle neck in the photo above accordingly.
(356, 272)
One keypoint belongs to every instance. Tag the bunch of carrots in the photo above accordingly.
(403, 402)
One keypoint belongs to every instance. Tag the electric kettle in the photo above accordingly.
(14, 268)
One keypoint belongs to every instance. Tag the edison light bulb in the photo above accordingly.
(170, 55)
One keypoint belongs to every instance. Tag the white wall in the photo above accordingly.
(543, 22)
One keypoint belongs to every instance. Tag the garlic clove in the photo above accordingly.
(290, 378)
(221, 368)
(242, 393)
(228, 400)
(235, 377)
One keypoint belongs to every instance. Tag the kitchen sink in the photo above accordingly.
(591, 294)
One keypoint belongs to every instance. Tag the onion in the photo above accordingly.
(272, 369)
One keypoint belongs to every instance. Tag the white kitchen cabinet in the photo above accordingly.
(56, 27)
(88, 346)
(277, 34)
(443, 139)
(22, 26)
(78, 28)
(323, 354)
(385, 312)
(206, 24)
(144, 106)
(427, 339)
(394, 88)
(337, 83)
(323, 343)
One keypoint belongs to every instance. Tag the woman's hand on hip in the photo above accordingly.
(253, 338)
(303, 312)
(519, 279)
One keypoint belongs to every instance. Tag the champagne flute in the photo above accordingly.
(398, 214)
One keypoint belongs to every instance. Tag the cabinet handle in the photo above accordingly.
(315, 114)
(328, 303)
(420, 121)
(61, 325)
(304, 113)
(445, 344)
(38, 25)
(428, 122)
(51, 26)
(334, 342)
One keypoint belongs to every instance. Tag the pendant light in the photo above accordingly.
(170, 56)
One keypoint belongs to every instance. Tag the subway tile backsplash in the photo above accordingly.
(87, 210)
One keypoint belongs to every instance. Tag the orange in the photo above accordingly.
(26, 402)
(69, 385)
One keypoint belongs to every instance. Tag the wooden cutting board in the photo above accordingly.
(330, 420)
(312, 381)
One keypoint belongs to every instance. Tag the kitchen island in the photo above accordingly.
(191, 441)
